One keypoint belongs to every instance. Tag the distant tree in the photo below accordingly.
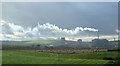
(51, 47)
(33, 45)
(46, 47)
(38, 46)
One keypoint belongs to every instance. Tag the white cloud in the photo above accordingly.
(45, 31)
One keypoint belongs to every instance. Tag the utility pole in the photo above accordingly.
(114, 39)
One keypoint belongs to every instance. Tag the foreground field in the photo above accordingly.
(34, 57)
(0, 57)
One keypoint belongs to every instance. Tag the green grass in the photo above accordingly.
(32, 57)
(94, 55)
(0, 57)
(40, 42)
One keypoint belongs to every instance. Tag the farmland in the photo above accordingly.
(35, 57)
(0, 57)
(56, 52)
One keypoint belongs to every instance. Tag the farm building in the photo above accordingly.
(100, 43)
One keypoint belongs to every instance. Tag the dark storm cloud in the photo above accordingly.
(102, 16)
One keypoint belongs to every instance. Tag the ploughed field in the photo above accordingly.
(37, 57)
(72, 51)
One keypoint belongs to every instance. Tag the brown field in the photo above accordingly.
(72, 51)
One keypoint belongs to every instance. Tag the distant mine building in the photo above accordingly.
(81, 44)
(63, 39)
(100, 43)
(114, 43)
(79, 41)
(118, 43)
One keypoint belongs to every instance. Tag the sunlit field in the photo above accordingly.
(0, 57)
(35, 57)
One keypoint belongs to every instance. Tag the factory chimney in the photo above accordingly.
(98, 34)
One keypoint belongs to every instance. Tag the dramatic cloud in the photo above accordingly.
(100, 15)
(11, 30)
(40, 20)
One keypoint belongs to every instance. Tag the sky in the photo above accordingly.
(59, 19)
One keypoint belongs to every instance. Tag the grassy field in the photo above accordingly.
(32, 57)
(0, 57)
(40, 42)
